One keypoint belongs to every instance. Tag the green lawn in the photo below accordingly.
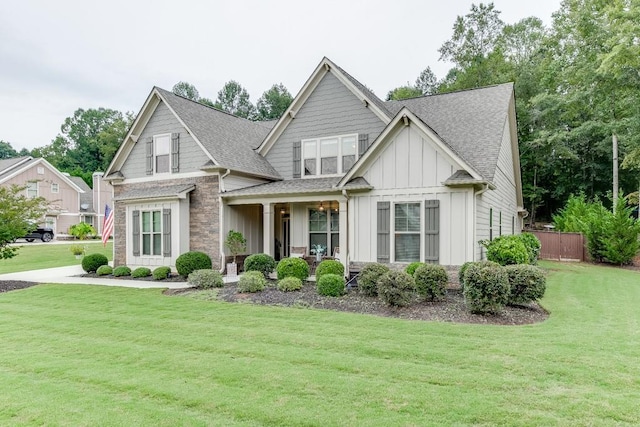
(93, 355)
(48, 255)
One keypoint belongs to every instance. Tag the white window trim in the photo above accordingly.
(327, 233)
(318, 158)
(37, 189)
(151, 256)
(155, 153)
(56, 186)
(392, 229)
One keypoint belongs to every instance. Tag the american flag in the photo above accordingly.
(107, 225)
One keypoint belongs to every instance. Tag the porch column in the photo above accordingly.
(344, 234)
(267, 227)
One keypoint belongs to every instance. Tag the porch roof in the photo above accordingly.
(171, 191)
(299, 186)
(463, 178)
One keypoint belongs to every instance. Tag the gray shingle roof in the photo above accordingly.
(7, 165)
(298, 186)
(156, 192)
(368, 93)
(229, 139)
(471, 122)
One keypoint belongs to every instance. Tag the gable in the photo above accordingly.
(330, 110)
(163, 121)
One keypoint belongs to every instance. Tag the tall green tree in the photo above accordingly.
(427, 82)
(234, 99)
(403, 92)
(273, 102)
(6, 150)
(19, 215)
(186, 90)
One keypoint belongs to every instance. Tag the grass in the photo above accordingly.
(39, 256)
(91, 355)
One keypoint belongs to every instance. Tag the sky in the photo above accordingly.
(58, 56)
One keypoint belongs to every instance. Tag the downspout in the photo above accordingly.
(346, 250)
(221, 220)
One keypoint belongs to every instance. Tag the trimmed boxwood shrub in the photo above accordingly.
(122, 270)
(329, 266)
(263, 263)
(192, 261)
(293, 267)
(507, 250)
(533, 246)
(251, 281)
(104, 270)
(396, 288)
(463, 269)
(368, 278)
(411, 268)
(486, 288)
(331, 285)
(161, 273)
(141, 272)
(527, 283)
(431, 282)
(205, 279)
(91, 262)
(289, 284)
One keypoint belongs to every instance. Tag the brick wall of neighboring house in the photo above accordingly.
(203, 212)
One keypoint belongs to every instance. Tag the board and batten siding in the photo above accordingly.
(502, 199)
(331, 110)
(163, 121)
(246, 219)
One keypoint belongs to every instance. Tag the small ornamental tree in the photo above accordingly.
(19, 215)
(236, 243)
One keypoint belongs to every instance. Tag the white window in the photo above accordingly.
(151, 234)
(324, 229)
(32, 189)
(407, 232)
(87, 219)
(55, 187)
(162, 153)
(40, 170)
(329, 156)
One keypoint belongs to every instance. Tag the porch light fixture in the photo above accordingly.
(282, 211)
(321, 208)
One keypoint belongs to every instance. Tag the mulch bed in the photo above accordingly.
(13, 285)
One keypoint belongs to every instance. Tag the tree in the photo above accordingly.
(6, 150)
(234, 99)
(18, 216)
(403, 92)
(186, 90)
(273, 103)
(427, 82)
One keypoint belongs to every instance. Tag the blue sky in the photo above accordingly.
(56, 57)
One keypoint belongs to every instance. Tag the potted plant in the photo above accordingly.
(77, 250)
(237, 244)
(81, 230)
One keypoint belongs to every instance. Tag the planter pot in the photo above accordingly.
(78, 256)
(232, 269)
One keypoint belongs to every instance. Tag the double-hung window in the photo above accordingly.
(407, 232)
(32, 189)
(151, 232)
(55, 187)
(162, 151)
(324, 229)
(329, 156)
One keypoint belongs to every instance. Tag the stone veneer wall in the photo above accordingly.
(204, 216)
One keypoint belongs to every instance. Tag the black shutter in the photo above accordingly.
(384, 231)
(297, 154)
(432, 231)
(175, 152)
(363, 143)
(149, 151)
(166, 232)
(135, 224)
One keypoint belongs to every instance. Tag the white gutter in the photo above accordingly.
(221, 220)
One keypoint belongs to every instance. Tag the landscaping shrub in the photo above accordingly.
(431, 282)
(289, 284)
(91, 262)
(533, 246)
(293, 267)
(104, 270)
(161, 273)
(141, 272)
(252, 281)
(507, 250)
(122, 270)
(329, 266)
(192, 261)
(486, 288)
(396, 288)
(368, 278)
(463, 269)
(527, 283)
(411, 268)
(621, 238)
(205, 279)
(331, 285)
(260, 262)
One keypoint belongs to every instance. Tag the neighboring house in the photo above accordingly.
(422, 179)
(70, 199)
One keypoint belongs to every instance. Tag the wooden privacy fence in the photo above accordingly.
(562, 246)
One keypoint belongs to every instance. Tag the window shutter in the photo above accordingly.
(149, 148)
(135, 223)
(166, 232)
(297, 154)
(432, 231)
(363, 143)
(384, 231)
(175, 152)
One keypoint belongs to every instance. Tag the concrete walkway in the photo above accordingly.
(68, 275)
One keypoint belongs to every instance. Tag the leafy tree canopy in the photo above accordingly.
(18, 216)
(186, 90)
(7, 151)
(234, 99)
(273, 103)
(403, 92)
